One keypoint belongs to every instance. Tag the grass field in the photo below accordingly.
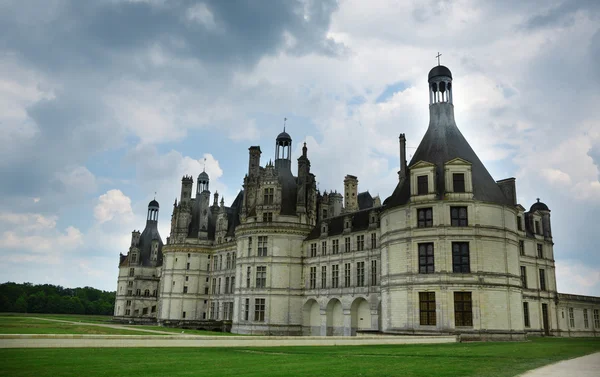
(466, 359)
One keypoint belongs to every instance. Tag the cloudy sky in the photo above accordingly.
(104, 103)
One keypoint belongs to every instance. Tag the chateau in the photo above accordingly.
(450, 251)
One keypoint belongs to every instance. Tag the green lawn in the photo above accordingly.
(179, 331)
(467, 359)
(24, 325)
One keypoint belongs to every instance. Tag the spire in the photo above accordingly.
(304, 149)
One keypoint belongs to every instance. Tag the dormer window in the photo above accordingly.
(458, 182)
(537, 228)
(422, 185)
(268, 217)
(458, 178)
(268, 197)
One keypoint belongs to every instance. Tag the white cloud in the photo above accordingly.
(575, 277)
(111, 204)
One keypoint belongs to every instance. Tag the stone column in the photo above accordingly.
(323, 330)
(347, 322)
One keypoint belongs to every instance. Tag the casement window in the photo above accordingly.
(261, 276)
(335, 246)
(138, 292)
(153, 309)
(586, 322)
(147, 293)
(422, 185)
(463, 309)
(185, 289)
(187, 267)
(596, 318)
(313, 250)
(426, 260)
(262, 246)
(313, 278)
(219, 286)
(227, 284)
(537, 228)
(128, 303)
(131, 271)
(460, 257)
(246, 309)
(347, 244)
(526, 314)
(360, 274)
(127, 311)
(540, 250)
(373, 241)
(427, 308)
(228, 261)
(374, 272)
(522, 247)
(259, 309)
(571, 318)
(360, 242)
(323, 277)
(249, 246)
(214, 286)
(335, 276)
(458, 182)
(268, 196)
(520, 223)
(324, 248)
(232, 286)
(458, 216)
(524, 276)
(346, 275)
(424, 217)
(248, 276)
(215, 263)
(268, 217)
(213, 310)
(233, 260)
(542, 279)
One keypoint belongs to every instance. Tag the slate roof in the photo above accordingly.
(365, 200)
(360, 221)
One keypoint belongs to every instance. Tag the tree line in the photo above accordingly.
(48, 298)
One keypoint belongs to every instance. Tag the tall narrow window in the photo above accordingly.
(227, 284)
(249, 246)
(347, 275)
(374, 272)
(313, 249)
(248, 276)
(596, 318)
(268, 197)
(426, 260)
(228, 263)
(324, 248)
(424, 217)
(360, 242)
(185, 289)
(458, 182)
(335, 246)
(540, 250)
(261, 276)
(347, 244)
(373, 241)
(542, 279)
(571, 318)
(323, 277)
(246, 309)
(463, 312)
(526, 314)
(259, 309)
(537, 227)
(458, 216)
(313, 277)
(460, 257)
(131, 271)
(427, 308)
(335, 276)
(422, 185)
(522, 247)
(219, 286)
(520, 223)
(524, 276)
(214, 286)
(262, 246)
(586, 322)
(360, 274)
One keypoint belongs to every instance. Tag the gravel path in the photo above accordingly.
(585, 366)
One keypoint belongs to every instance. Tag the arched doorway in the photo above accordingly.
(311, 318)
(360, 315)
(335, 318)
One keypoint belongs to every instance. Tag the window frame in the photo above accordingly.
(422, 184)
(259, 309)
(426, 255)
(524, 277)
(463, 309)
(360, 274)
(262, 247)
(424, 221)
(461, 266)
(427, 309)
(455, 181)
(261, 277)
(526, 320)
(456, 216)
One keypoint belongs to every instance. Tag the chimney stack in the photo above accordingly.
(402, 172)
(351, 193)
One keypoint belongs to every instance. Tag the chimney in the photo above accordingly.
(402, 172)
(254, 160)
(351, 193)
(216, 199)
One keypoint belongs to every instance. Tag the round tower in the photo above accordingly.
(202, 183)
(283, 151)
(153, 211)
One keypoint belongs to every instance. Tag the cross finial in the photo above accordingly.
(438, 57)
(284, 120)
(204, 167)
(538, 199)
(155, 196)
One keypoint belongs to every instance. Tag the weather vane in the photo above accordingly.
(438, 57)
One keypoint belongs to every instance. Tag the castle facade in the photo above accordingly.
(450, 251)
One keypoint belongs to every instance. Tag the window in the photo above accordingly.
(130, 284)
(347, 275)
(313, 277)
(153, 309)
(335, 276)
(248, 273)
(335, 246)
(427, 308)
(219, 286)
(460, 257)
(262, 246)
(213, 314)
(138, 292)
(586, 322)
(249, 246)
(227, 284)
(215, 263)
(268, 197)
(130, 292)
(524, 276)
(458, 182)
(373, 272)
(422, 185)
(360, 242)
(205, 290)
(261, 276)
(463, 313)
(537, 227)
(540, 250)
(187, 267)
(228, 262)
(522, 247)
(324, 248)
(147, 293)
(214, 285)
(131, 271)
(526, 314)
(323, 277)
(596, 318)
(313, 250)
(267, 217)
(259, 309)
(233, 258)
(542, 279)
(426, 265)
(324, 214)
(520, 223)
(373, 241)
(246, 309)
(128, 303)
(226, 310)
(424, 217)
(571, 318)
(187, 278)
(360, 274)
(185, 289)
(183, 315)
(458, 216)
(347, 244)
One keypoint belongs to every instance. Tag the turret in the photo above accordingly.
(254, 160)
(152, 211)
(186, 189)
(336, 204)
(283, 150)
(135, 238)
(202, 184)
(545, 212)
